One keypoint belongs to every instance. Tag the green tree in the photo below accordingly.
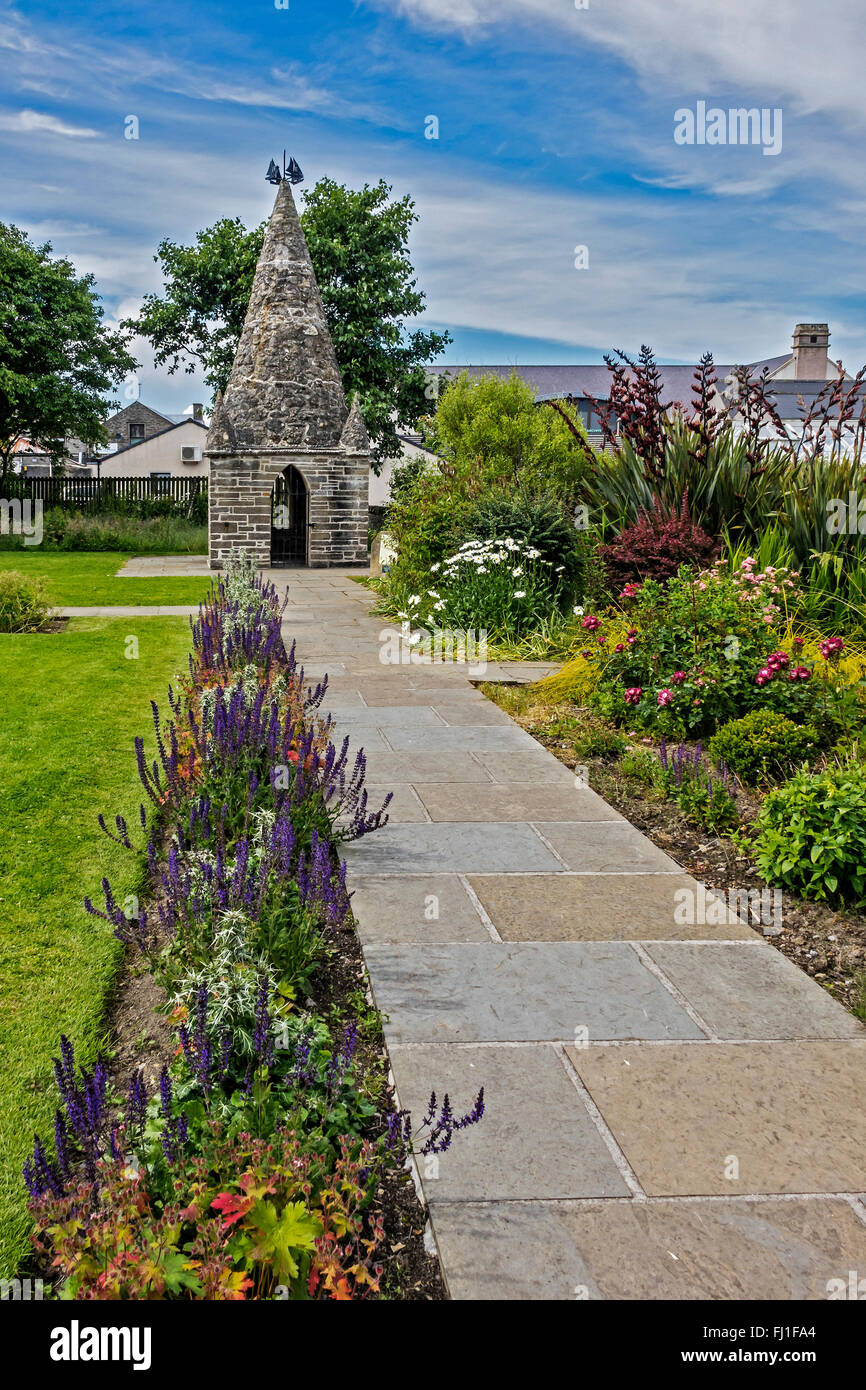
(197, 322)
(357, 241)
(57, 358)
(494, 434)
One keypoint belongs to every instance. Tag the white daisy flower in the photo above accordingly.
(578, 612)
(413, 599)
(517, 572)
(437, 566)
(520, 593)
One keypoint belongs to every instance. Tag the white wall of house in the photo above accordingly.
(380, 484)
(159, 454)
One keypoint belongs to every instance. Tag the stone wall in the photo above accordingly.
(240, 505)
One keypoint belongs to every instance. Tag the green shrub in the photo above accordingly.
(423, 525)
(24, 605)
(493, 434)
(156, 534)
(811, 834)
(762, 745)
(539, 522)
(500, 587)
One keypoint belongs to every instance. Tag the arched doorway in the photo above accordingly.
(289, 519)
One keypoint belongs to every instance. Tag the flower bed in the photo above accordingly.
(252, 1168)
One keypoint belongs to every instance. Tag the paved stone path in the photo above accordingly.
(673, 1110)
(130, 610)
(157, 566)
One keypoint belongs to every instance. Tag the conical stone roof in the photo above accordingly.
(285, 390)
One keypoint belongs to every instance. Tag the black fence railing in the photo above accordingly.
(176, 495)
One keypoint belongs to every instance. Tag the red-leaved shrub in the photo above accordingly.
(656, 545)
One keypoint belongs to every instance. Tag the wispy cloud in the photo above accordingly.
(42, 122)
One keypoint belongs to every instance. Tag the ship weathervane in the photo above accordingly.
(291, 171)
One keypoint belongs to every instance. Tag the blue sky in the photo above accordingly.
(556, 129)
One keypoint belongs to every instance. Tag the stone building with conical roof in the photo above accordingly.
(289, 462)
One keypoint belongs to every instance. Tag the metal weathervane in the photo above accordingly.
(291, 171)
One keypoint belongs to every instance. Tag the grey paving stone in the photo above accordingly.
(427, 908)
(450, 848)
(404, 807)
(365, 736)
(392, 716)
(522, 992)
(753, 992)
(515, 802)
(443, 697)
(607, 848)
(391, 768)
(475, 712)
(589, 907)
(480, 739)
(537, 765)
(721, 1250)
(536, 1138)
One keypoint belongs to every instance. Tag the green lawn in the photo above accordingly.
(87, 579)
(72, 703)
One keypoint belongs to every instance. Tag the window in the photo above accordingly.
(161, 482)
(136, 430)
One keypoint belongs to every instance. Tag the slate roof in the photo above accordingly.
(593, 379)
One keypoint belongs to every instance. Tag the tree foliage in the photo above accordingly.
(491, 431)
(357, 241)
(57, 358)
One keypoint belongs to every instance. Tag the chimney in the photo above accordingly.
(811, 361)
(197, 410)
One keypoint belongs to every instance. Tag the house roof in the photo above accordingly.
(137, 443)
(593, 379)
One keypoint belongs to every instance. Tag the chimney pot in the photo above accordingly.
(811, 359)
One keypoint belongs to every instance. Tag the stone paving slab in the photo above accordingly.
(449, 848)
(404, 807)
(390, 717)
(753, 992)
(446, 697)
(482, 739)
(131, 610)
(522, 992)
(475, 712)
(427, 909)
(725, 1250)
(793, 1114)
(587, 907)
(514, 803)
(393, 768)
(536, 1139)
(607, 848)
(535, 766)
(177, 566)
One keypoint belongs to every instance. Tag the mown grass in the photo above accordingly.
(80, 580)
(72, 704)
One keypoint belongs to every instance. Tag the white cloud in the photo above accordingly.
(812, 59)
(41, 122)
